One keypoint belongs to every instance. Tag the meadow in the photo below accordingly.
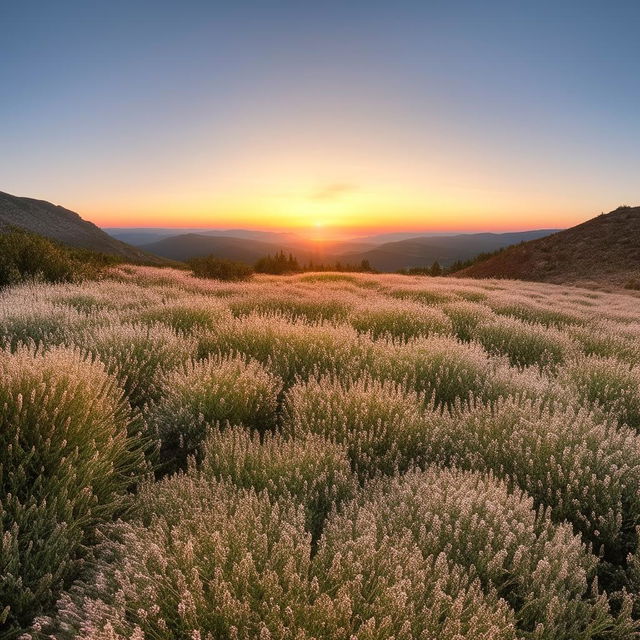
(318, 456)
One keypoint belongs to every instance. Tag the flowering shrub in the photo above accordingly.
(542, 570)
(586, 471)
(184, 316)
(37, 323)
(610, 384)
(351, 456)
(291, 307)
(137, 355)
(291, 349)
(65, 463)
(219, 389)
(208, 560)
(310, 470)
(411, 320)
(525, 343)
(383, 426)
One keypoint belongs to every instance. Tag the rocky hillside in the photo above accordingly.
(602, 251)
(67, 227)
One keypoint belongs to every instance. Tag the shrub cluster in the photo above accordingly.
(219, 268)
(66, 461)
(341, 456)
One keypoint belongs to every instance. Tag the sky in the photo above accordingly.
(343, 116)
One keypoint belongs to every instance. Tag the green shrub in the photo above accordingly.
(542, 570)
(466, 316)
(450, 372)
(524, 343)
(208, 561)
(584, 470)
(533, 312)
(382, 426)
(311, 470)
(38, 323)
(220, 268)
(26, 256)
(186, 316)
(424, 296)
(138, 356)
(607, 383)
(291, 307)
(65, 463)
(220, 389)
(291, 349)
(409, 321)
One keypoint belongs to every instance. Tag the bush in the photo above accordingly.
(138, 356)
(525, 344)
(382, 426)
(450, 372)
(609, 384)
(208, 561)
(186, 316)
(65, 463)
(397, 525)
(219, 268)
(291, 308)
(26, 256)
(38, 323)
(291, 349)
(219, 389)
(310, 471)
(381, 319)
(585, 470)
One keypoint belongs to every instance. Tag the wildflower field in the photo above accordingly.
(320, 456)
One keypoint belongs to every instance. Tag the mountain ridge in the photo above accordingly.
(65, 226)
(602, 250)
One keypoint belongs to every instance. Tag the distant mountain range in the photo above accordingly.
(424, 250)
(64, 226)
(382, 255)
(148, 235)
(603, 250)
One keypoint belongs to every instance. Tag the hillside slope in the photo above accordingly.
(65, 226)
(603, 250)
(424, 250)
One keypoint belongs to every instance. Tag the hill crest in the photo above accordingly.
(64, 226)
(602, 250)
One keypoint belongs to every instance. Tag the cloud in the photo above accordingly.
(334, 190)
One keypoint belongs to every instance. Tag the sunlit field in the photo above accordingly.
(328, 456)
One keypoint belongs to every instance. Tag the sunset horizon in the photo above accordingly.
(355, 117)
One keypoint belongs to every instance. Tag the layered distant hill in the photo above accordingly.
(64, 226)
(194, 245)
(146, 235)
(603, 250)
(424, 250)
(248, 246)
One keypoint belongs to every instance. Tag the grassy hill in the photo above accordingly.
(602, 251)
(336, 456)
(64, 226)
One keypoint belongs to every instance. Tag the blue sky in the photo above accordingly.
(425, 114)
